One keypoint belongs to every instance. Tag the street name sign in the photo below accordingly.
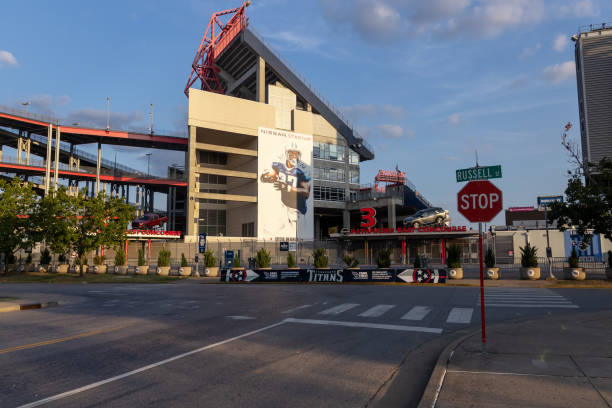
(479, 201)
(478, 173)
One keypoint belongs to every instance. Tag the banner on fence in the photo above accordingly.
(335, 275)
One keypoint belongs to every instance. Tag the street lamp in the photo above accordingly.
(148, 163)
(26, 104)
(107, 113)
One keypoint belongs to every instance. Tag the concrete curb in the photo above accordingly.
(430, 395)
(11, 307)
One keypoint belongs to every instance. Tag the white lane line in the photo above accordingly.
(525, 296)
(460, 315)
(339, 309)
(531, 305)
(526, 300)
(377, 311)
(145, 368)
(366, 325)
(417, 313)
(295, 309)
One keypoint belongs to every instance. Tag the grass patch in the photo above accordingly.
(604, 284)
(36, 277)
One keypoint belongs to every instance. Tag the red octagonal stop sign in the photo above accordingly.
(479, 201)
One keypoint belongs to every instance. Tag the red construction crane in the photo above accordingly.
(216, 37)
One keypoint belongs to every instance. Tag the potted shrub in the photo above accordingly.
(210, 262)
(45, 260)
(99, 266)
(383, 260)
(120, 266)
(185, 269)
(263, 259)
(320, 258)
(573, 271)
(417, 262)
(529, 263)
(453, 261)
(489, 260)
(163, 262)
(63, 265)
(142, 268)
(609, 268)
(351, 263)
(291, 261)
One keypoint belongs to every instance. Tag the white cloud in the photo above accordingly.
(561, 42)
(560, 72)
(394, 131)
(530, 52)
(355, 112)
(581, 8)
(7, 59)
(62, 100)
(454, 119)
(97, 118)
(300, 41)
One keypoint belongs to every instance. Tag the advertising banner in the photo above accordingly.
(284, 191)
(335, 275)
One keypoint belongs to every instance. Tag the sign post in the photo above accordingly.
(545, 201)
(480, 201)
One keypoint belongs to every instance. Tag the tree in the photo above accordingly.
(53, 220)
(17, 199)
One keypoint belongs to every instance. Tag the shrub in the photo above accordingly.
(350, 261)
(99, 260)
(184, 262)
(320, 258)
(528, 256)
(120, 257)
(384, 258)
(262, 258)
(236, 262)
(290, 260)
(417, 262)
(141, 259)
(85, 261)
(61, 258)
(163, 259)
(45, 257)
(29, 259)
(573, 259)
(10, 258)
(453, 256)
(489, 258)
(209, 259)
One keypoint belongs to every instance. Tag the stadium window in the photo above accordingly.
(248, 229)
(353, 157)
(354, 176)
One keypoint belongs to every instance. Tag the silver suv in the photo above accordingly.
(433, 215)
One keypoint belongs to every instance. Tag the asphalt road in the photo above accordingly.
(224, 345)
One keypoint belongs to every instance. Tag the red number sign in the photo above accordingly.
(368, 217)
(479, 201)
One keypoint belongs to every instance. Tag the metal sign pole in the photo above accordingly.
(482, 298)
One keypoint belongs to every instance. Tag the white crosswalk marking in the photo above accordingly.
(534, 298)
(339, 309)
(377, 311)
(460, 315)
(417, 313)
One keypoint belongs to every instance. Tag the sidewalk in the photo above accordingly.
(563, 361)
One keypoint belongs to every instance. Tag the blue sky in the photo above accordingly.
(427, 82)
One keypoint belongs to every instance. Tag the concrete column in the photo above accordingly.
(391, 214)
(48, 159)
(346, 219)
(191, 205)
(19, 147)
(57, 157)
(71, 159)
(261, 81)
(28, 148)
(98, 167)
(0, 152)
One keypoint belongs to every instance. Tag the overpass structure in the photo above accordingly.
(56, 144)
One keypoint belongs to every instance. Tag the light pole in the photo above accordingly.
(148, 164)
(26, 104)
(107, 113)
(151, 119)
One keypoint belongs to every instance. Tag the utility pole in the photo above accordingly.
(107, 113)
(148, 164)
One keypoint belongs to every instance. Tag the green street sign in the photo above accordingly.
(478, 173)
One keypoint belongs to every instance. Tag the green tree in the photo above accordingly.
(17, 201)
(53, 220)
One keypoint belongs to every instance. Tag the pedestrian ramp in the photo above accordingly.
(526, 298)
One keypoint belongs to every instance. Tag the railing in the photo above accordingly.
(594, 27)
(30, 115)
(314, 90)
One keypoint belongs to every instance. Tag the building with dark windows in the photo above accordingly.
(594, 76)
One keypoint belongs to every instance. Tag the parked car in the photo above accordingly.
(433, 215)
(149, 221)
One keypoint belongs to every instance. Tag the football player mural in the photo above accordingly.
(284, 193)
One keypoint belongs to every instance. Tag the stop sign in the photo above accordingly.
(479, 201)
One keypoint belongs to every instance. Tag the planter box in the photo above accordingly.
(493, 273)
(142, 270)
(63, 268)
(163, 270)
(609, 273)
(455, 273)
(99, 269)
(212, 271)
(121, 270)
(574, 273)
(530, 273)
(185, 271)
